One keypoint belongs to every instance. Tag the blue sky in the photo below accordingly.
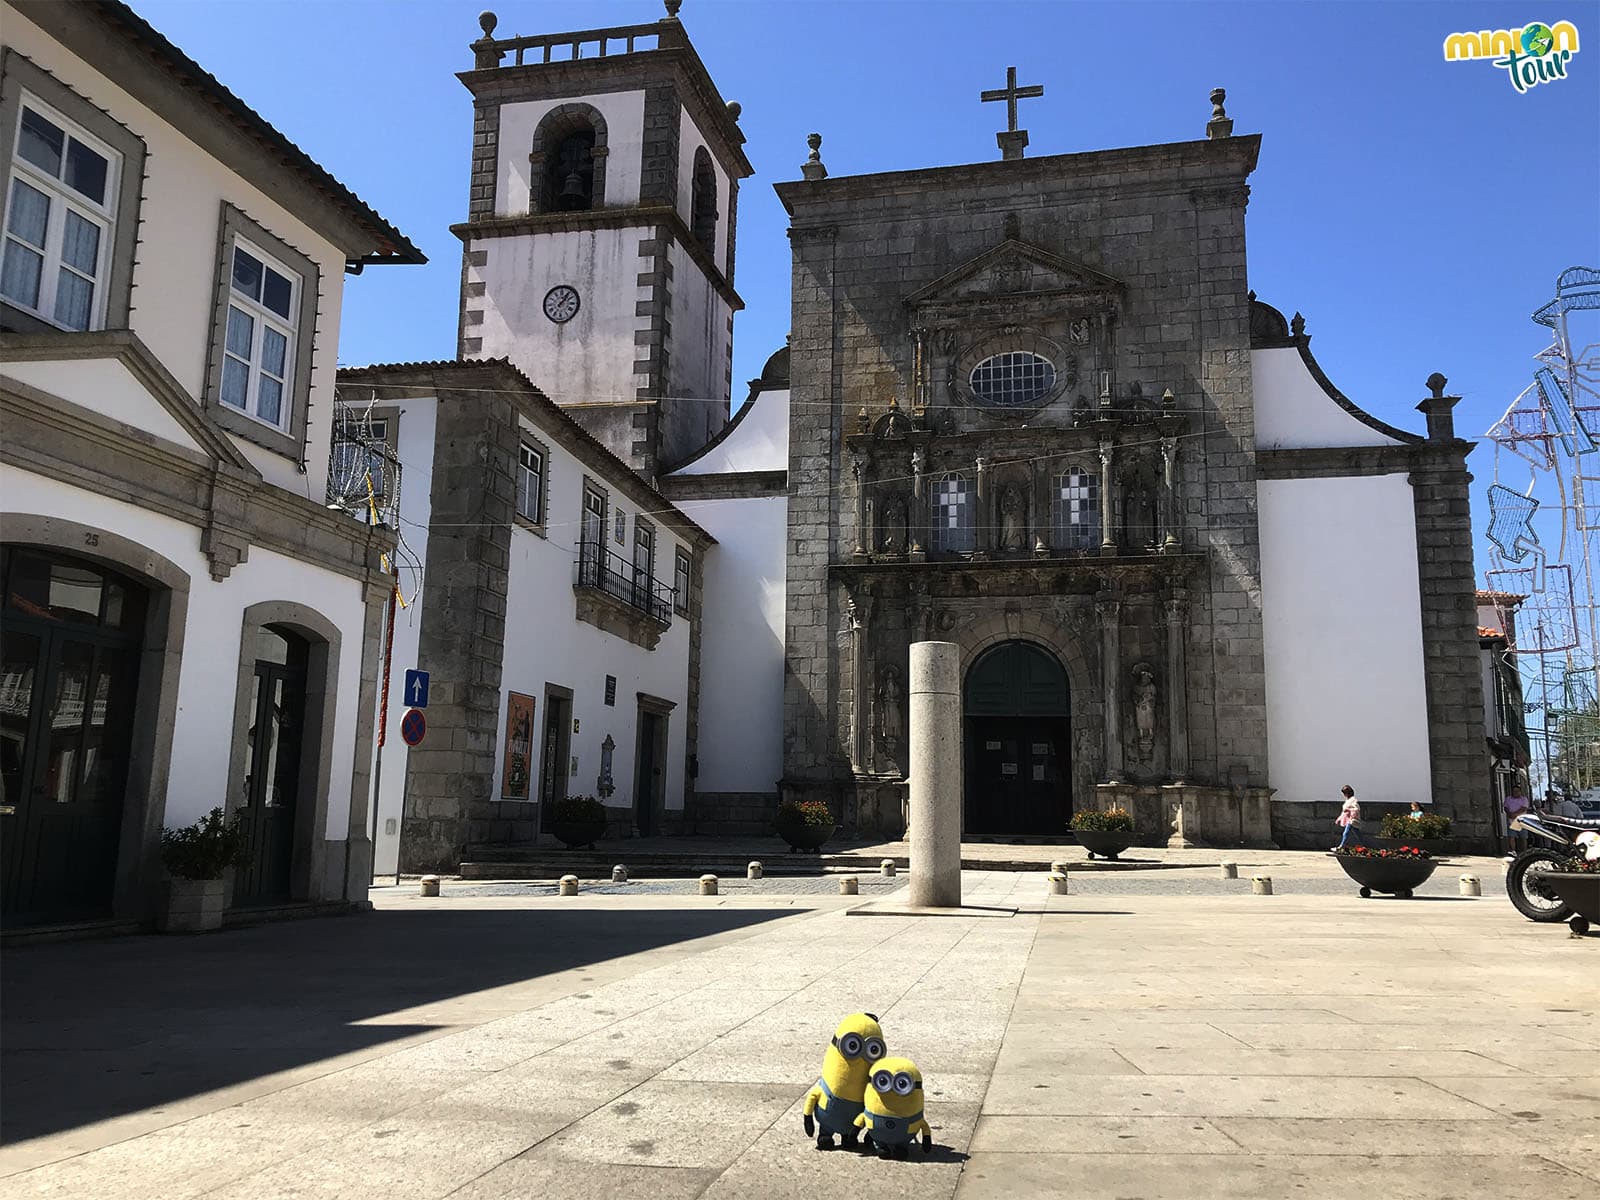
(1416, 211)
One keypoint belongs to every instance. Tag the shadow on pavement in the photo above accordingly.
(93, 1030)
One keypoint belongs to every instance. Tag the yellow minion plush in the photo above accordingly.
(834, 1105)
(892, 1115)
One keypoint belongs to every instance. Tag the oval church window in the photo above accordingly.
(1013, 379)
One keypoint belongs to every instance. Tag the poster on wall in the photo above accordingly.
(518, 773)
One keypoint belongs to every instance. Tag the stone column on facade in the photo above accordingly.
(983, 526)
(934, 727)
(855, 629)
(1108, 533)
(1177, 607)
(1171, 543)
(919, 505)
(1110, 613)
(858, 472)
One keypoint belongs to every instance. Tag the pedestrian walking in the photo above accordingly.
(1349, 818)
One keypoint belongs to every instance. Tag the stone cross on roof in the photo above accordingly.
(1012, 140)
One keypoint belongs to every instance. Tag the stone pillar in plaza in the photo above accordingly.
(935, 744)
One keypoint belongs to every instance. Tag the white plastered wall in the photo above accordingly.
(202, 735)
(1341, 611)
(175, 276)
(699, 343)
(741, 655)
(547, 644)
(758, 442)
(624, 118)
(588, 359)
(418, 420)
(1294, 412)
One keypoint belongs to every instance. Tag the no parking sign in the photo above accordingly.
(412, 726)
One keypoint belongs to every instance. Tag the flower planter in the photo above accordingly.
(1391, 876)
(193, 906)
(575, 834)
(803, 838)
(1107, 843)
(1579, 890)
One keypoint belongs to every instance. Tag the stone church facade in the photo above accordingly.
(1023, 421)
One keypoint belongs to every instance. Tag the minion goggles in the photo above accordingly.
(853, 1045)
(883, 1082)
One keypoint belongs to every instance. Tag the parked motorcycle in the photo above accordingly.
(1567, 837)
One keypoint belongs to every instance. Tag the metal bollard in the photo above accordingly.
(619, 874)
(1261, 885)
(569, 885)
(753, 871)
(430, 885)
(1230, 870)
(849, 885)
(1470, 886)
(887, 868)
(1058, 883)
(708, 885)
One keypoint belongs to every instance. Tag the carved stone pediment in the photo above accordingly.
(1017, 269)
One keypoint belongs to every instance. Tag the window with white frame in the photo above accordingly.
(1076, 501)
(530, 483)
(680, 582)
(60, 216)
(953, 529)
(259, 345)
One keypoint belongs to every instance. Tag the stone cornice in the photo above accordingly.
(731, 485)
(232, 507)
(1177, 166)
(1087, 575)
(652, 217)
(1333, 462)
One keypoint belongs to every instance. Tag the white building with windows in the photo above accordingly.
(187, 625)
(553, 597)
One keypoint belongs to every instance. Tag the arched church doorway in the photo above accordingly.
(69, 672)
(1017, 715)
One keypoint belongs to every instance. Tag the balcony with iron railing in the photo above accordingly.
(621, 598)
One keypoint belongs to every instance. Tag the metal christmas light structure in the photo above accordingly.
(1543, 537)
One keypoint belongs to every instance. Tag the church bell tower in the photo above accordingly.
(598, 249)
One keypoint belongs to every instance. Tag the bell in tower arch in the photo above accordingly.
(573, 174)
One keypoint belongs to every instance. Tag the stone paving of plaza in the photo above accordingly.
(1165, 1038)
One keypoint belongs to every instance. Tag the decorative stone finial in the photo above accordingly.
(1438, 408)
(735, 109)
(1220, 125)
(486, 22)
(672, 7)
(1168, 401)
(813, 168)
(1297, 326)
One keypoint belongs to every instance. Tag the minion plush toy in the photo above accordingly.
(834, 1105)
(892, 1115)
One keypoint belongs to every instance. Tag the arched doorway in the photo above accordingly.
(271, 794)
(69, 675)
(1017, 715)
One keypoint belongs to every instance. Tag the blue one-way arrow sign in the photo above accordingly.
(417, 689)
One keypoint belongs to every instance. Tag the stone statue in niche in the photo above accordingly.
(1144, 709)
(891, 710)
(1013, 520)
(1078, 332)
(1140, 514)
(893, 535)
(1080, 411)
